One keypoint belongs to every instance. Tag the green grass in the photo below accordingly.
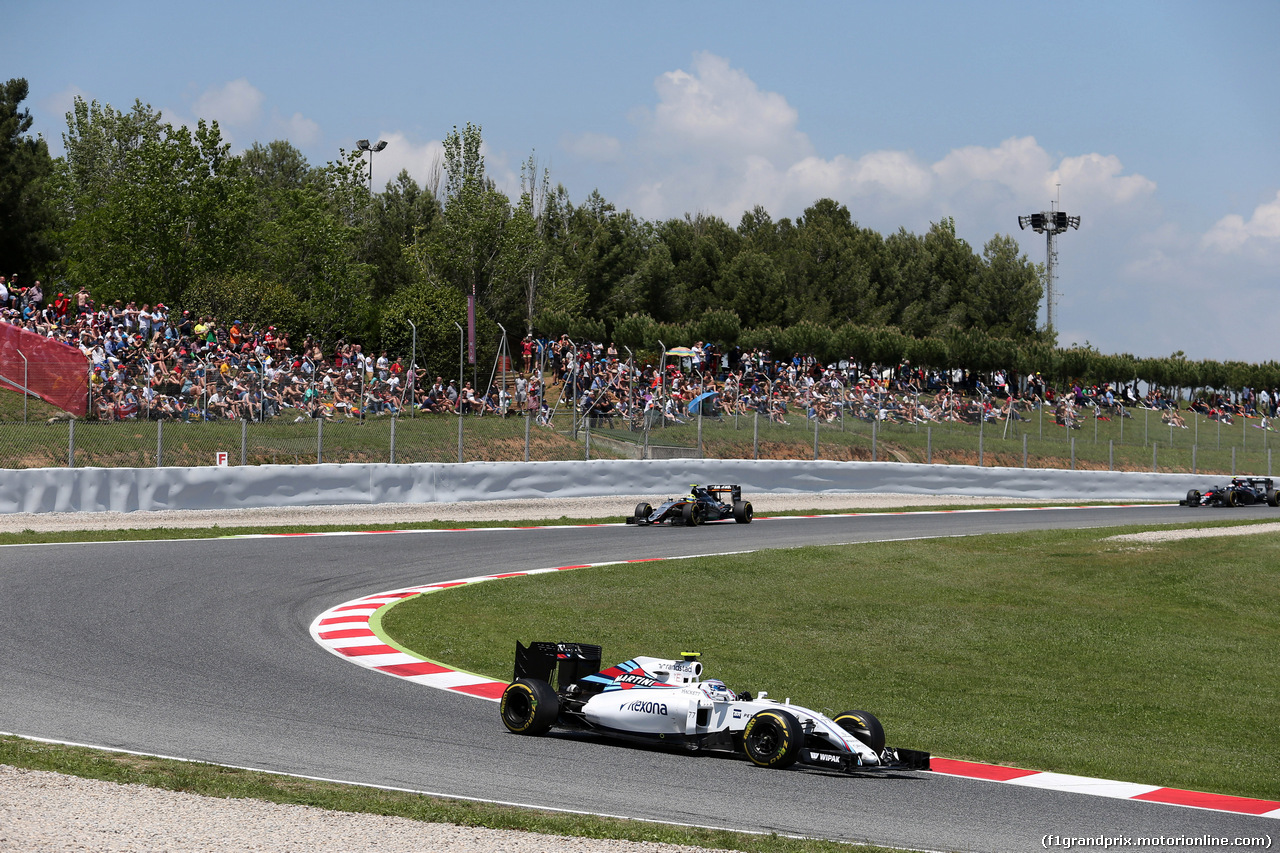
(1055, 651)
(214, 781)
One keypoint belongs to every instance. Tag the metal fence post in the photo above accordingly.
(815, 436)
(1111, 455)
(1155, 450)
(875, 425)
(159, 442)
(1193, 458)
(393, 440)
(982, 420)
(1073, 453)
(319, 440)
(700, 405)
(244, 442)
(1024, 450)
(1233, 461)
(71, 443)
(526, 433)
(755, 437)
(586, 423)
(459, 433)
(928, 444)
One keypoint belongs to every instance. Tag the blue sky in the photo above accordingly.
(1160, 120)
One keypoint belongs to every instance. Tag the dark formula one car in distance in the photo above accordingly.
(1241, 491)
(703, 503)
(660, 701)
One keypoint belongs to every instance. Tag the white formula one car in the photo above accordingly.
(660, 701)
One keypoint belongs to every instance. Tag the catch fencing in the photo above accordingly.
(1141, 442)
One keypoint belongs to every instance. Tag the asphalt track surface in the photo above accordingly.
(200, 649)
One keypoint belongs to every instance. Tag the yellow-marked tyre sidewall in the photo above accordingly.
(529, 706)
(864, 726)
(786, 729)
(518, 694)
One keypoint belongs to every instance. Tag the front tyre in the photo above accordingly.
(1193, 497)
(643, 511)
(529, 706)
(864, 726)
(1273, 497)
(692, 514)
(773, 738)
(742, 512)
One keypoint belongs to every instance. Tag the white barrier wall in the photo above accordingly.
(134, 489)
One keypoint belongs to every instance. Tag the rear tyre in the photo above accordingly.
(1193, 497)
(864, 726)
(692, 513)
(742, 512)
(773, 738)
(1273, 497)
(643, 511)
(529, 706)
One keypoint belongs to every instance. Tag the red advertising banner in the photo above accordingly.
(54, 372)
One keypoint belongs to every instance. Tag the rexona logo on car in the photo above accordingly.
(646, 708)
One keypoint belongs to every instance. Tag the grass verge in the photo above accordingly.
(1059, 650)
(215, 781)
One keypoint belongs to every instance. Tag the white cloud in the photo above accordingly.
(721, 108)
(297, 128)
(1261, 232)
(420, 159)
(1129, 280)
(238, 103)
(714, 141)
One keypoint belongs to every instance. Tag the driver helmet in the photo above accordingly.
(717, 689)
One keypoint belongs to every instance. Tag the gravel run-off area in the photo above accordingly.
(51, 813)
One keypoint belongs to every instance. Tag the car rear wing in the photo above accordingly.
(563, 662)
(735, 491)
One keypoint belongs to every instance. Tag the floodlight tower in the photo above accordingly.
(1050, 223)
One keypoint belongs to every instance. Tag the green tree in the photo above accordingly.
(152, 208)
(1008, 291)
(754, 288)
(469, 240)
(26, 212)
(306, 236)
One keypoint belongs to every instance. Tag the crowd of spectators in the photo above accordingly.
(152, 362)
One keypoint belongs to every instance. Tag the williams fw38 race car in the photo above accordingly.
(703, 503)
(659, 701)
(1241, 491)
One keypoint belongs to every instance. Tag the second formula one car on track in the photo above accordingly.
(660, 701)
(703, 503)
(1241, 491)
